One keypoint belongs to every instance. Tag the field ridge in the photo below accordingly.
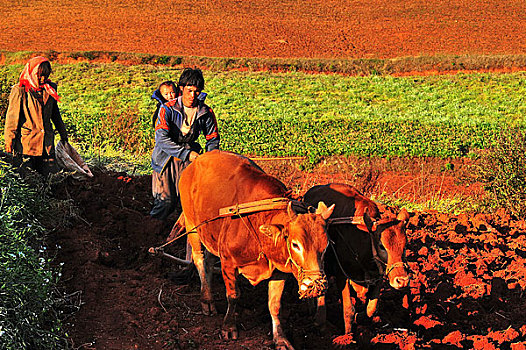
(419, 65)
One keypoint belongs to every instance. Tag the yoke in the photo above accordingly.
(233, 210)
(252, 207)
(354, 220)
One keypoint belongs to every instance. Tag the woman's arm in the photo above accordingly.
(59, 123)
(12, 117)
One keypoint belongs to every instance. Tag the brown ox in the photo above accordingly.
(258, 245)
(362, 250)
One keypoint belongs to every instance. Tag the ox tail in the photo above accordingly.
(177, 230)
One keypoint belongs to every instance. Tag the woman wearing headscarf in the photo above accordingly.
(28, 132)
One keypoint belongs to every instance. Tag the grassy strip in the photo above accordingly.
(455, 205)
(353, 66)
(27, 317)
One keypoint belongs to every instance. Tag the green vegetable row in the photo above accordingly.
(275, 114)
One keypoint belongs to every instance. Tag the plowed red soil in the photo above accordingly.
(469, 270)
(264, 28)
(469, 275)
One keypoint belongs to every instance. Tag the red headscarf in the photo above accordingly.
(29, 78)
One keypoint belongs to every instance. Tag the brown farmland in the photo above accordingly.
(469, 274)
(469, 270)
(290, 28)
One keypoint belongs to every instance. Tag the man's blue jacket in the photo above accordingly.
(170, 142)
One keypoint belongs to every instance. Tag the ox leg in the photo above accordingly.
(275, 290)
(188, 250)
(321, 313)
(229, 328)
(372, 303)
(349, 309)
(205, 275)
(370, 298)
(348, 303)
(372, 306)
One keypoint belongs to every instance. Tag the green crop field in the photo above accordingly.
(108, 107)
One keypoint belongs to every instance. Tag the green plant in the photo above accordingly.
(455, 205)
(146, 59)
(118, 130)
(51, 54)
(27, 280)
(75, 55)
(448, 166)
(502, 170)
(162, 60)
(296, 114)
(176, 60)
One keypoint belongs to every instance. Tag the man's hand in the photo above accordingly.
(193, 155)
(9, 148)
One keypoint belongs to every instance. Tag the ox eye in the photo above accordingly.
(382, 252)
(295, 246)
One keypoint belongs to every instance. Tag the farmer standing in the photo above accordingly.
(177, 128)
(28, 132)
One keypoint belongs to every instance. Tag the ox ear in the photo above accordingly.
(403, 215)
(324, 211)
(290, 211)
(369, 223)
(273, 231)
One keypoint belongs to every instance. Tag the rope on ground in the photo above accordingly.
(159, 299)
(277, 158)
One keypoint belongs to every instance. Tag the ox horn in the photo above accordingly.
(291, 212)
(324, 211)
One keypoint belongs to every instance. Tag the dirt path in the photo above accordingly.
(469, 277)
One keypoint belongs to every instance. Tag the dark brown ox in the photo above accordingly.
(362, 251)
(259, 245)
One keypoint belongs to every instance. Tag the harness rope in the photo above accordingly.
(236, 210)
(194, 229)
(239, 210)
(277, 203)
(317, 277)
(253, 231)
(358, 220)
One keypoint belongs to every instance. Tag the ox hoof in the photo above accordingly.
(283, 344)
(209, 309)
(361, 318)
(229, 333)
(343, 341)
